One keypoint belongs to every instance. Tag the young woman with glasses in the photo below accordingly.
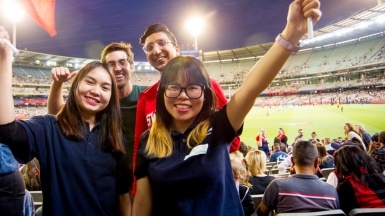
(183, 164)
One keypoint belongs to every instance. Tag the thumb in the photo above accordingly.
(74, 73)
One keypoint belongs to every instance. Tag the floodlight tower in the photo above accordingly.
(15, 13)
(195, 26)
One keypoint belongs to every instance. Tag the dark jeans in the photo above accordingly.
(12, 194)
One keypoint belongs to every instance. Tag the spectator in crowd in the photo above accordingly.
(79, 149)
(262, 142)
(360, 180)
(314, 138)
(374, 143)
(304, 188)
(351, 133)
(282, 136)
(256, 163)
(278, 155)
(300, 135)
(336, 145)
(241, 182)
(243, 148)
(379, 153)
(328, 146)
(32, 175)
(120, 61)
(325, 160)
(285, 165)
(11, 184)
(365, 136)
(188, 135)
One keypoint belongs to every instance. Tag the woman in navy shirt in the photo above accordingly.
(183, 165)
(79, 149)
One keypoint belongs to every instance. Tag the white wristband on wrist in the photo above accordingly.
(286, 44)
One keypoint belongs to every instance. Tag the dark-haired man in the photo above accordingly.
(304, 188)
(300, 135)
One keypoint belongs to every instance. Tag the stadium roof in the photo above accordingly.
(259, 50)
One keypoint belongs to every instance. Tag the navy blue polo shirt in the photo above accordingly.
(196, 181)
(77, 177)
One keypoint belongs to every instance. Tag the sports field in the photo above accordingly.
(325, 120)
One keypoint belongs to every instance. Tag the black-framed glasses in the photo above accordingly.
(150, 46)
(192, 91)
(121, 63)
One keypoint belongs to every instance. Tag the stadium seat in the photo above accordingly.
(326, 172)
(274, 171)
(257, 198)
(367, 211)
(281, 175)
(328, 212)
(271, 164)
(37, 198)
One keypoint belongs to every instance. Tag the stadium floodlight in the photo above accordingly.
(15, 13)
(195, 26)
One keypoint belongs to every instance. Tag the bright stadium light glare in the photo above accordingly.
(13, 11)
(195, 26)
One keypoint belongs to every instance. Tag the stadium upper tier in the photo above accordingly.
(343, 51)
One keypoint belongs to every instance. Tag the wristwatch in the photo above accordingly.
(286, 44)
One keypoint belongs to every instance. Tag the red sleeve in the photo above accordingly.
(221, 99)
(140, 127)
(234, 146)
(257, 138)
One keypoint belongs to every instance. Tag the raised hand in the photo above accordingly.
(62, 74)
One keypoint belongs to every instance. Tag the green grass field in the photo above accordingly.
(325, 120)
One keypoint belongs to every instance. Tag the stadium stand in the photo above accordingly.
(348, 70)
